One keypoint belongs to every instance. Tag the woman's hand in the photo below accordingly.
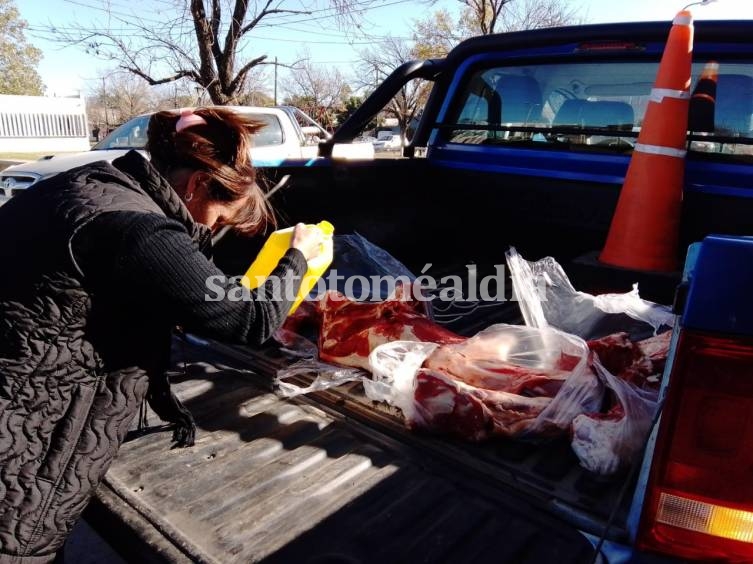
(308, 239)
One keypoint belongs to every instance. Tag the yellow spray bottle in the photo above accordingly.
(273, 250)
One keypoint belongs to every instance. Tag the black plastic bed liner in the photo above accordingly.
(311, 480)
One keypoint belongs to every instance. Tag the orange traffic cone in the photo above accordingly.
(645, 228)
(703, 100)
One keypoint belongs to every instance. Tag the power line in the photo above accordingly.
(284, 25)
(342, 34)
(394, 3)
(133, 35)
(315, 42)
(108, 11)
(351, 62)
(367, 5)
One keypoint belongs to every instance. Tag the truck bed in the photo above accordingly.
(331, 473)
(279, 480)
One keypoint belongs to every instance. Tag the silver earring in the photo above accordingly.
(189, 197)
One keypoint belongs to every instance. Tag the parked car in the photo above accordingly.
(288, 134)
(391, 142)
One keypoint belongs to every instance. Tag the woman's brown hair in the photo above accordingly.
(221, 149)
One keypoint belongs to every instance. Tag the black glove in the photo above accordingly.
(169, 408)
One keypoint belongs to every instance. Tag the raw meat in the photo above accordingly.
(606, 442)
(483, 363)
(597, 439)
(351, 330)
(506, 381)
(657, 350)
(448, 406)
(637, 363)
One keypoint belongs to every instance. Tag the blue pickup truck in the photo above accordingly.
(524, 141)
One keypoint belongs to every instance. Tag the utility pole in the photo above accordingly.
(104, 102)
(275, 81)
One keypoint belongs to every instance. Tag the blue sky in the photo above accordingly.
(68, 70)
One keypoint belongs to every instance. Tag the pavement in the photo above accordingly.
(85, 546)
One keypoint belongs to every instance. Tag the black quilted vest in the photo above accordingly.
(74, 365)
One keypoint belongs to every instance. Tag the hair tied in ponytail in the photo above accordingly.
(188, 119)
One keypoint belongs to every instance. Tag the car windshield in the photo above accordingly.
(132, 134)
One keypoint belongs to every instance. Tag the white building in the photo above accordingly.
(32, 124)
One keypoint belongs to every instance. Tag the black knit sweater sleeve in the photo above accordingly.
(154, 259)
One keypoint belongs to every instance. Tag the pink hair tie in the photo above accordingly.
(188, 119)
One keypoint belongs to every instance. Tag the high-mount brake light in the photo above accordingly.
(609, 46)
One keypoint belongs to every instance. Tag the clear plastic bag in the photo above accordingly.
(501, 382)
(355, 256)
(327, 376)
(607, 443)
(547, 298)
(295, 344)
(393, 371)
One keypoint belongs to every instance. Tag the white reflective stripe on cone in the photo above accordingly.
(659, 150)
(658, 94)
(681, 19)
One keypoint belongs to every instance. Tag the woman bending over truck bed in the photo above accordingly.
(101, 262)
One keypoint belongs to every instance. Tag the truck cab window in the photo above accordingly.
(593, 106)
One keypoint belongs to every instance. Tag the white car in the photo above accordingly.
(391, 142)
(288, 134)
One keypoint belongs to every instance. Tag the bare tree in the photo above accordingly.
(436, 34)
(130, 96)
(117, 97)
(484, 14)
(255, 93)
(203, 41)
(380, 61)
(316, 90)
(484, 17)
(534, 14)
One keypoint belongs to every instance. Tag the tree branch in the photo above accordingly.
(253, 23)
(241, 76)
(204, 40)
(216, 19)
(155, 81)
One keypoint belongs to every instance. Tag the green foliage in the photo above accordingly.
(256, 97)
(18, 58)
(435, 35)
(349, 106)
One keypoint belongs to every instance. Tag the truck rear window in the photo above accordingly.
(591, 106)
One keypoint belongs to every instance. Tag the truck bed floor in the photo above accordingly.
(275, 480)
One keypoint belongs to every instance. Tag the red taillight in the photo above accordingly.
(699, 500)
